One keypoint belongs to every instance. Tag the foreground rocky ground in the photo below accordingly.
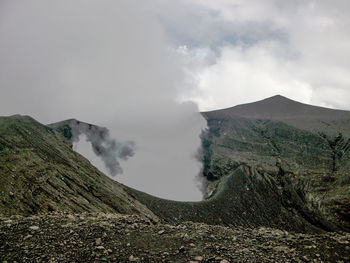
(122, 238)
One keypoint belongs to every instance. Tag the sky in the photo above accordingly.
(144, 69)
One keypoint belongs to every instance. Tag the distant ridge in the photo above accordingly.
(277, 108)
(40, 173)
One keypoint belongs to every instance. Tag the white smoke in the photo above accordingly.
(110, 150)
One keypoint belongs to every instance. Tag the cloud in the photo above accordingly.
(214, 23)
(294, 48)
(252, 73)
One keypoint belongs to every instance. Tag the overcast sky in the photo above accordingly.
(144, 69)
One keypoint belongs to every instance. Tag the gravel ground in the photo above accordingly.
(129, 238)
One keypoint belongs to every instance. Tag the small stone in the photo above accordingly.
(34, 227)
(132, 258)
(283, 249)
(70, 216)
(98, 241)
(306, 258)
(100, 247)
(161, 232)
(224, 261)
(198, 258)
(26, 237)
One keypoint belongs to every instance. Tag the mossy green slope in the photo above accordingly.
(39, 173)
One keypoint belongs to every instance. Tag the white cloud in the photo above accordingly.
(246, 74)
(294, 48)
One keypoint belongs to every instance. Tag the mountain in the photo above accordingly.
(276, 178)
(276, 163)
(299, 115)
(302, 149)
(40, 173)
(278, 108)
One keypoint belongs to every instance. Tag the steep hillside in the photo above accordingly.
(303, 150)
(274, 163)
(40, 173)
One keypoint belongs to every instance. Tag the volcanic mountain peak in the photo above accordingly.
(277, 108)
(275, 163)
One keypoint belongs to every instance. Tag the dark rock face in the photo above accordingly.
(302, 151)
(275, 163)
(242, 198)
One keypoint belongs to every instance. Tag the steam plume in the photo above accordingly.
(105, 147)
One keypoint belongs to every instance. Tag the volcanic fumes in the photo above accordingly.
(108, 149)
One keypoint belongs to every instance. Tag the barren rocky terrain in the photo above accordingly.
(63, 237)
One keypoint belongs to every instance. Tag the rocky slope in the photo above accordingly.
(40, 173)
(125, 238)
(261, 169)
(277, 183)
(301, 151)
(275, 163)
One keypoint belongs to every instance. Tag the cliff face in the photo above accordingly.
(300, 151)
